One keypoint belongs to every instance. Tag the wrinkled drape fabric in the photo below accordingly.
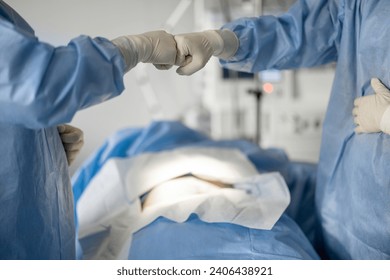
(197, 240)
(226, 241)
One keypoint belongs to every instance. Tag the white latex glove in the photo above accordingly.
(157, 47)
(195, 49)
(372, 112)
(72, 139)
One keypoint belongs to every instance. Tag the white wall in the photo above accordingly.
(58, 21)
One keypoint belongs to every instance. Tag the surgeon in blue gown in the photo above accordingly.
(41, 87)
(353, 182)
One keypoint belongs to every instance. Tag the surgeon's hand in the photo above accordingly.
(157, 47)
(195, 49)
(72, 139)
(372, 112)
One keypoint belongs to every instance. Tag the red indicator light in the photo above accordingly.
(268, 88)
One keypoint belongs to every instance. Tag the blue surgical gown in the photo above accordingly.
(353, 182)
(42, 86)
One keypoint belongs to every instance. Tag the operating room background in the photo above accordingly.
(214, 102)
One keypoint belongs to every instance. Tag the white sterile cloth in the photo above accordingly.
(109, 210)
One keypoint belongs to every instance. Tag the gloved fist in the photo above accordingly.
(157, 47)
(72, 139)
(372, 112)
(195, 49)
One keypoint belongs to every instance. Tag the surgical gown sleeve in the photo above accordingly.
(42, 85)
(307, 35)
